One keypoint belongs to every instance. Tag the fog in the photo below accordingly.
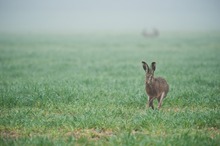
(108, 15)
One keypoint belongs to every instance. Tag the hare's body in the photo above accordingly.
(155, 87)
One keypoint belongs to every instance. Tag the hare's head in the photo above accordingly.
(149, 71)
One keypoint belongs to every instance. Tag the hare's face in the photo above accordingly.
(149, 77)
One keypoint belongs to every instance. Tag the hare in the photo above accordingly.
(155, 87)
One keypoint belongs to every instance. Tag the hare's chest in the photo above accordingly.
(151, 91)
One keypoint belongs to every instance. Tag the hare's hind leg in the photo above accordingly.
(160, 100)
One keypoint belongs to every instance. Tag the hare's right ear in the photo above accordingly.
(153, 66)
(145, 66)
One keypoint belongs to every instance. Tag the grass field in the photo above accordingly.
(89, 90)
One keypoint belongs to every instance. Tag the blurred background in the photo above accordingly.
(84, 16)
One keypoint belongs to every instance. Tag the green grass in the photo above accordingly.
(89, 90)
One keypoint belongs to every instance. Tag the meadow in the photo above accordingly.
(87, 89)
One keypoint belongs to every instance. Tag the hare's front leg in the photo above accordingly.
(160, 100)
(150, 102)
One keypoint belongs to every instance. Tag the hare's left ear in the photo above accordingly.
(153, 66)
(145, 66)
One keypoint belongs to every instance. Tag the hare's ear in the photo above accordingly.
(153, 66)
(145, 66)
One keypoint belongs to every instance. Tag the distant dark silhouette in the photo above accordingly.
(154, 33)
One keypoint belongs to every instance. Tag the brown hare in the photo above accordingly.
(155, 87)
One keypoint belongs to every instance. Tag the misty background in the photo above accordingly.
(69, 16)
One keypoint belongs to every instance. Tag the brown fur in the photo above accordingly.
(155, 87)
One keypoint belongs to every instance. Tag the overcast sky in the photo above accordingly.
(108, 15)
